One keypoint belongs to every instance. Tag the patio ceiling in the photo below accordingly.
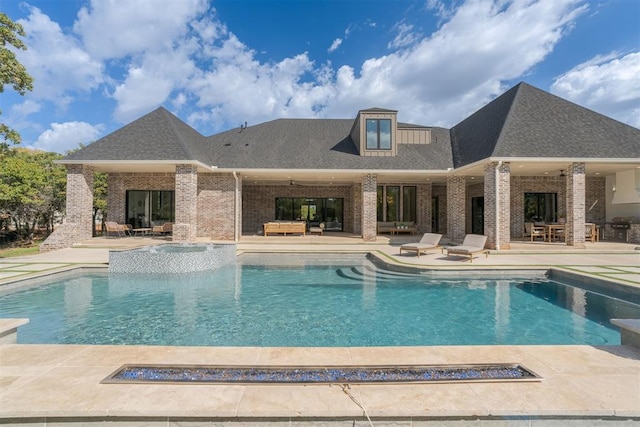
(523, 167)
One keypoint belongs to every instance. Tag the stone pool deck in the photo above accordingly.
(583, 385)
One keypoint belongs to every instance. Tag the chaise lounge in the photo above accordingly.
(471, 245)
(427, 242)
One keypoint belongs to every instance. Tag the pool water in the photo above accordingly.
(339, 301)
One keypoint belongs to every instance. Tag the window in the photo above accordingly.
(540, 207)
(378, 134)
(396, 203)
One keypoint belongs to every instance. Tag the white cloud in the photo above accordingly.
(607, 84)
(117, 28)
(62, 137)
(404, 38)
(151, 83)
(336, 44)
(25, 108)
(56, 61)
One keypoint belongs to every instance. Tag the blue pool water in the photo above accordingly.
(343, 301)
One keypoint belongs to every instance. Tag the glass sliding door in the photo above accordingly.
(435, 214)
(380, 203)
(393, 203)
(477, 215)
(332, 214)
(146, 208)
(409, 204)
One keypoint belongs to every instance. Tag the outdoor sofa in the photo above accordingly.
(282, 227)
(162, 230)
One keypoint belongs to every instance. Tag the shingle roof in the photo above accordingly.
(528, 122)
(158, 135)
(317, 144)
(522, 122)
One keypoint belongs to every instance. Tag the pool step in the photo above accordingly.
(367, 273)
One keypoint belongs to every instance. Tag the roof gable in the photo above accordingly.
(158, 135)
(529, 122)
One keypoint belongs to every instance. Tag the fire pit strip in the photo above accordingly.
(212, 374)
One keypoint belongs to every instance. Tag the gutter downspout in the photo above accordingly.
(497, 172)
(236, 209)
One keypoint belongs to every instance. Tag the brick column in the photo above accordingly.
(217, 208)
(116, 198)
(80, 198)
(185, 228)
(576, 187)
(423, 208)
(497, 206)
(369, 211)
(456, 195)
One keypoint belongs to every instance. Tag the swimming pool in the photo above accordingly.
(308, 301)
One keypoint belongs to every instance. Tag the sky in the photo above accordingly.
(216, 64)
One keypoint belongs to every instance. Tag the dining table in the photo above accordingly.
(553, 229)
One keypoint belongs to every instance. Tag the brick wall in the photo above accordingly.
(423, 207)
(595, 193)
(356, 205)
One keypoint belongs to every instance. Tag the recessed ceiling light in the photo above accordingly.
(546, 173)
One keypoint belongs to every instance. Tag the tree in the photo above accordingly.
(31, 189)
(12, 72)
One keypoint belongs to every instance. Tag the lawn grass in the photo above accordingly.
(15, 252)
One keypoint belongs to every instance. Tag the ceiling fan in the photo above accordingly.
(562, 174)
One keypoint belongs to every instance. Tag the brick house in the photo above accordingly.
(527, 155)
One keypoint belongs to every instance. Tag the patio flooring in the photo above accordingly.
(583, 385)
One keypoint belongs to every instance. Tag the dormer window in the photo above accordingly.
(378, 134)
